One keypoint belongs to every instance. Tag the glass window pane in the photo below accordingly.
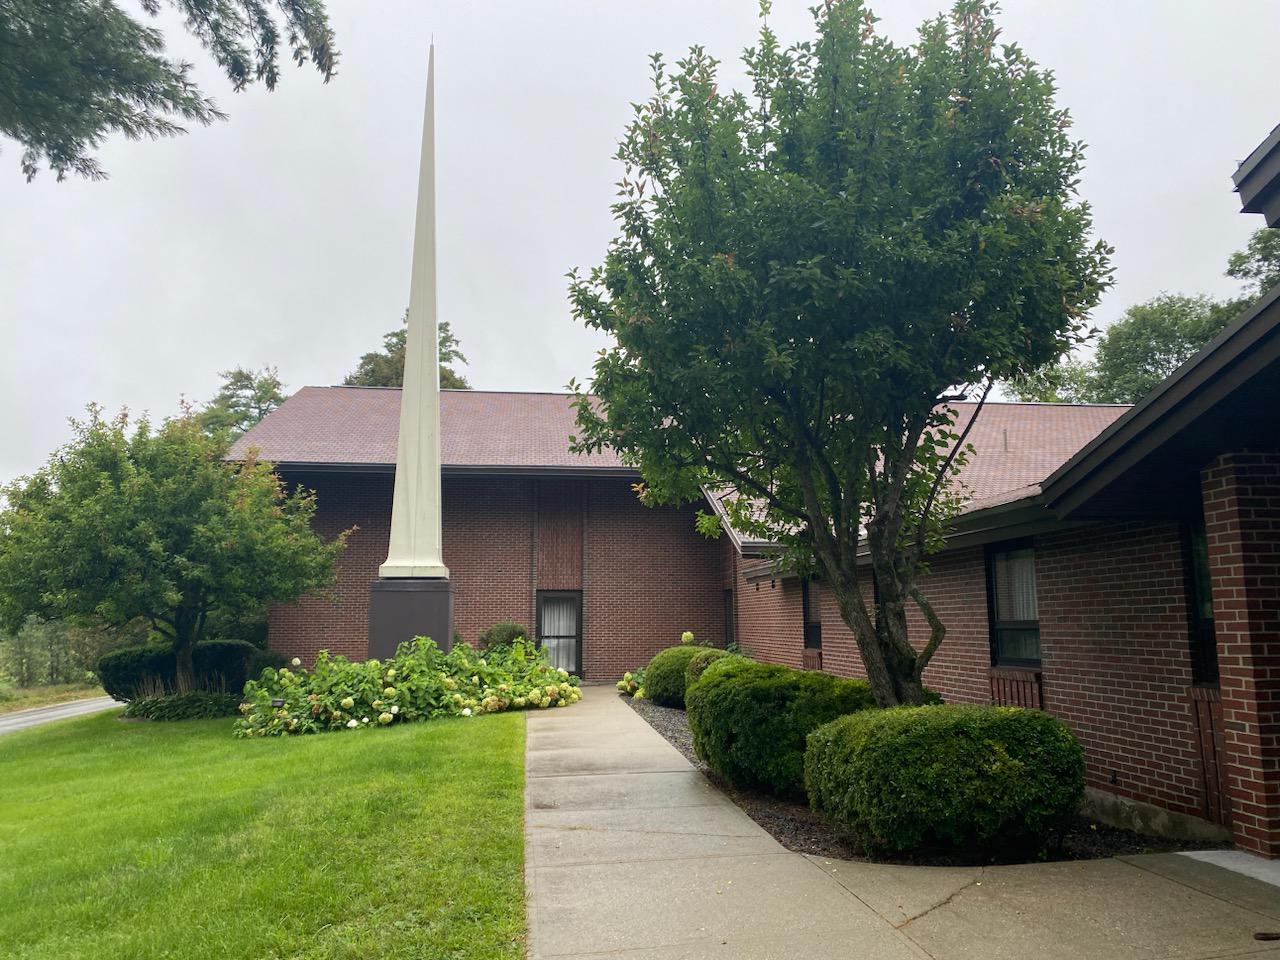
(1015, 583)
(1018, 645)
(559, 617)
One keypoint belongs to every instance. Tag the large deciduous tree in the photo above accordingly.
(135, 521)
(385, 367)
(74, 71)
(806, 275)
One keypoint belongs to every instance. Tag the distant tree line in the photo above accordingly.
(1154, 338)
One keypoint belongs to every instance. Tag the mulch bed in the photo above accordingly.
(801, 830)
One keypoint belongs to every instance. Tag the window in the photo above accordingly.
(811, 600)
(728, 619)
(1204, 638)
(560, 627)
(1011, 602)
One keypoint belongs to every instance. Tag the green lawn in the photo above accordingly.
(138, 840)
(24, 698)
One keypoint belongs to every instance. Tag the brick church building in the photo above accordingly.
(1116, 566)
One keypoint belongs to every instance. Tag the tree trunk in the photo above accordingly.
(184, 659)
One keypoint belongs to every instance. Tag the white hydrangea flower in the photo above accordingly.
(395, 710)
(351, 724)
(466, 711)
(364, 719)
(296, 661)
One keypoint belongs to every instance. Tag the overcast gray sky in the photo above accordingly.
(283, 235)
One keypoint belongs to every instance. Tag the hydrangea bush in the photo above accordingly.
(632, 683)
(419, 683)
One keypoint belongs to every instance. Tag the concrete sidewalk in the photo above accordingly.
(21, 719)
(632, 853)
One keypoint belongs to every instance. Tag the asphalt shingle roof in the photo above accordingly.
(1016, 445)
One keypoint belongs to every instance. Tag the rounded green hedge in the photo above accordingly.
(699, 662)
(222, 665)
(972, 779)
(503, 634)
(665, 676)
(750, 720)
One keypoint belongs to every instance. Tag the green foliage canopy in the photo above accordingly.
(385, 367)
(74, 71)
(245, 397)
(1152, 339)
(135, 521)
(806, 274)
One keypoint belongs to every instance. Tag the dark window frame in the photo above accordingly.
(812, 629)
(560, 595)
(1202, 633)
(996, 626)
(730, 618)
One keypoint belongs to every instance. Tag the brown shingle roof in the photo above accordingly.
(1016, 445)
(359, 426)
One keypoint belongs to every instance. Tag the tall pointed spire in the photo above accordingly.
(415, 549)
(412, 596)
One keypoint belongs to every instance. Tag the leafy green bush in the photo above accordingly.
(193, 705)
(750, 720)
(664, 677)
(418, 683)
(632, 683)
(966, 778)
(504, 634)
(220, 665)
(699, 662)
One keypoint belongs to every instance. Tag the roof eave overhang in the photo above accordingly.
(1257, 180)
(1246, 347)
(456, 470)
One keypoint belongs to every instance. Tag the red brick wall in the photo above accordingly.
(649, 576)
(646, 574)
(1116, 648)
(560, 510)
(1114, 638)
(1242, 519)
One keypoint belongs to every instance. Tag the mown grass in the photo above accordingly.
(147, 840)
(24, 698)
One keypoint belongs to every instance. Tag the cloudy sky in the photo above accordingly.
(283, 235)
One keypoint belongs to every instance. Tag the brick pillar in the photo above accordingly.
(1242, 516)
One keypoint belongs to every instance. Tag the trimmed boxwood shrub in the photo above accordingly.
(193, 705)
(699, 662)
(221, 665)
(750, 720)
(664, 677)
(972, 779)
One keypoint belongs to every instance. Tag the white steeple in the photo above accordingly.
(415, 549)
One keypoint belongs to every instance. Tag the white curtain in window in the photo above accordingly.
(560, 630)
(1015, 575)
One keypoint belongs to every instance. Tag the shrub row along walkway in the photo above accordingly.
(633, 853)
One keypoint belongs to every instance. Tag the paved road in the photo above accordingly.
(632, 853)
(21, 719)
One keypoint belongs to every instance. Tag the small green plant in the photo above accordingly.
(418, 683)
(977, 780)
(750, 720)
(664, 681)
(193, 705)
